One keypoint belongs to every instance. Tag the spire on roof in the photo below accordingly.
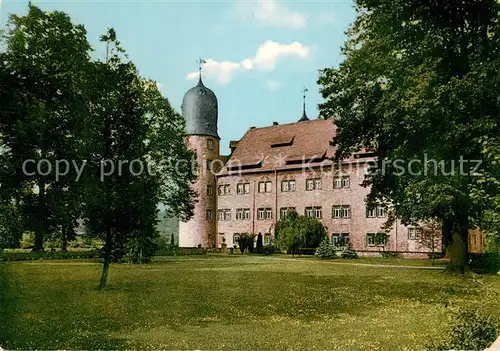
(304, 115)
(200, 63)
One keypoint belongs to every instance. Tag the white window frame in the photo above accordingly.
(210, 189)
(318, 212)
(269, 213)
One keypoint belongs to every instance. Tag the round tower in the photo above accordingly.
(199, 108)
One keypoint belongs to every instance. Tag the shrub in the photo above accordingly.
(348, 253)
(488, 262)
(390, 254)
(325, 250)
(435, 255)
(245, 242)
(270, 249)
(469, 330)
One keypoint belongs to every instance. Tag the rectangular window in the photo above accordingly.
(317, 184)
(264, 213)
(209, 164)
(371, 212)
(313, 184)
(210, 190)
(287, 185)
(414, 233)
(210, 144)
(346, 211)
(381, 212)
(261, 213)
(318, 213)
(246, 213)
(341, 182)
(340, 239)
(224, 215)
(267, 239)
(239, 213)
(314, 212)
(285, 210)
(370, 239)
(309, 212)
(240, 189)
(376, 239)
(341, 211)
(209, 215)
(224, 189)
(269, 213)
(336, 212)
(345, 182)
(242, 213)
(377, 211)
(264, 187)
(243, 188)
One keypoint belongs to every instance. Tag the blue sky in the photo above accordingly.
(259, 54)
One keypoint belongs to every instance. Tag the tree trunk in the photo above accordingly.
(447, 236)
(40, 225)
(458, 250)
(106, 255)
(64, 230)
(104, 276)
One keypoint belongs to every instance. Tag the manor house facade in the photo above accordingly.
(278, 168)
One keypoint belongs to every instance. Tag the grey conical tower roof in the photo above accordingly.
(200, 109)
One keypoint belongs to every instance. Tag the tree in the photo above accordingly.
(43, 72)
(136, 149)
(293, 232)
(245, 242)
(260, 246)
(419, 88)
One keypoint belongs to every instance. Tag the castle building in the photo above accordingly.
(274, 169)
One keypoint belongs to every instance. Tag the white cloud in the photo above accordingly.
(271, 13)
(273, 85)
(264, 60)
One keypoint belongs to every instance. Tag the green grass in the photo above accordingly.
(231, 302)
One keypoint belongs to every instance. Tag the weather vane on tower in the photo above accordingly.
(200, 64)
(304, 98)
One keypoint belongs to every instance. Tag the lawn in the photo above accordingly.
(231, 302)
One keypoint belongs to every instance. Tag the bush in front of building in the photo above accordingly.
(294, 232)
(348, 253)
(246, 243)
(271, 248)
(325, 250)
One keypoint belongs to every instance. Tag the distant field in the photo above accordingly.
(231, 302)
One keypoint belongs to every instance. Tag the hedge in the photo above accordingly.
(51, 255)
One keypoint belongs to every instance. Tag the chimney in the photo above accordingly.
(275, 123)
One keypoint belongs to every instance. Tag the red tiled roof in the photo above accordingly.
(283, 146)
